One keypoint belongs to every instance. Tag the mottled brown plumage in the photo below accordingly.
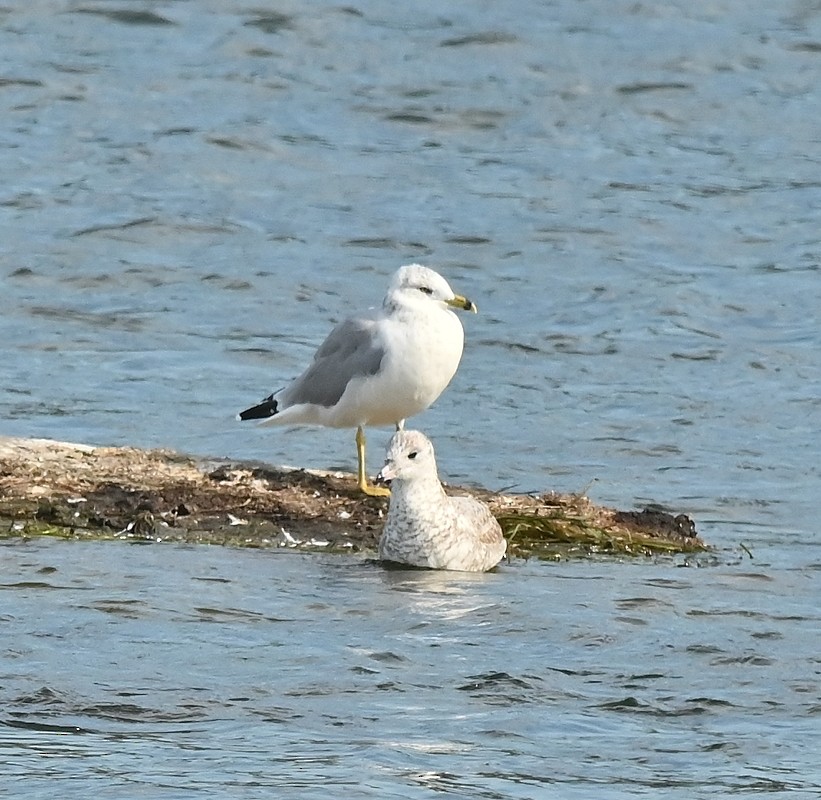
(427, 528)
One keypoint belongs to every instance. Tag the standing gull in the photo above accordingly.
(378, 367)
(425, 527)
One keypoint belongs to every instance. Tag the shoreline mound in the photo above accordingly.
(51, 488)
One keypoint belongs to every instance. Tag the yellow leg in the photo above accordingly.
(361, 479)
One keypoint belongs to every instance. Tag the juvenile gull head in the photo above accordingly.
(427, 528)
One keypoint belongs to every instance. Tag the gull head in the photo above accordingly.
(409, 457)
(414, 284)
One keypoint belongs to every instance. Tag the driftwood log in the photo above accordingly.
(79, 491)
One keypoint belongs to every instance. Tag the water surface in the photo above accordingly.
(162, 670)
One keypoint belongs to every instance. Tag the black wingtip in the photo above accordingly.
(267, 408)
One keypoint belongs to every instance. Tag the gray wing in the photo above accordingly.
(352, 350)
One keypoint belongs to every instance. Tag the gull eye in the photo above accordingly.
(426, 290)
(412, 455)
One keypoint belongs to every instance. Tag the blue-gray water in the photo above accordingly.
(156, 671)
(193, 192)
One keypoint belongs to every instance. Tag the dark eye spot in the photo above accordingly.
(413, 455)
(426, 290)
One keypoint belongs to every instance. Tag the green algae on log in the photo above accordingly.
(78, 491)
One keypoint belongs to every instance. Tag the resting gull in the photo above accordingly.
(425, 527)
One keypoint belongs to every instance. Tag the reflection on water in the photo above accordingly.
(435, 594)
(145, 668)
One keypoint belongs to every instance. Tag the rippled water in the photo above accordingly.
(193, 192)
(173, 669)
